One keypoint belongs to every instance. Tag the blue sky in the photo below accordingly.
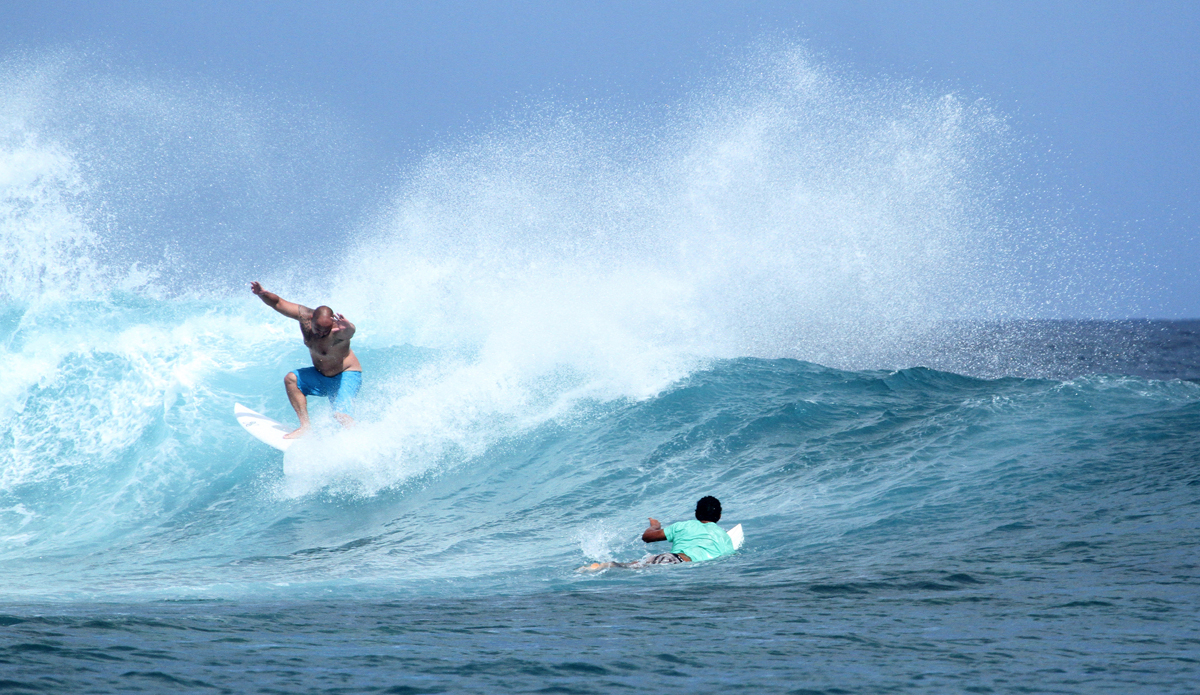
(1109, 88)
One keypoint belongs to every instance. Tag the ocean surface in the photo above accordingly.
(907, 530)
(828, 301)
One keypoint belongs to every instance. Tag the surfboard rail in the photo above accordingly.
(263, 428)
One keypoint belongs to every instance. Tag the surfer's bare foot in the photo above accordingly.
(595, 567)
(296, 434)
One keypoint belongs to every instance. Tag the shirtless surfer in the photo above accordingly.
(335, 373)
(691, 541)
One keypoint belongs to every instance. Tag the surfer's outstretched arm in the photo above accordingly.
(291, 310)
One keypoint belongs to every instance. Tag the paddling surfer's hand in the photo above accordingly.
(654, 533)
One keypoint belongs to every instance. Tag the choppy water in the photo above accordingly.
(813, 297)
(913, 531)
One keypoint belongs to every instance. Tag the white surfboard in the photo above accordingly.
(263, 428)
(735, 535)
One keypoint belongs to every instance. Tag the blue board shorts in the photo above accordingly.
(340, 389)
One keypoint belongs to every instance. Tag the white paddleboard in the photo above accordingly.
(735, 535)
(266, 430)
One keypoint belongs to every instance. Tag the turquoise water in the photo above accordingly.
(907, 531)
(821, 299)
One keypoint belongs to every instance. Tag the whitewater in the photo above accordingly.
(833, 302)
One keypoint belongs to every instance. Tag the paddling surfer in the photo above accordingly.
(335, 374)
(691, 541)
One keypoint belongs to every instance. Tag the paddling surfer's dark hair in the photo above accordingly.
(708, 509)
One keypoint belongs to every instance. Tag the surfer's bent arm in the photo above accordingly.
(291, 310)
(654, 533)
(343, 328)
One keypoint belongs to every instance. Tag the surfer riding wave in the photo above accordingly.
(335, 374)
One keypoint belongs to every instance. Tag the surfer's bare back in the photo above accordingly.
(335, 373)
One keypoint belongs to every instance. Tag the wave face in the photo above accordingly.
(568, 322)
(125, 475)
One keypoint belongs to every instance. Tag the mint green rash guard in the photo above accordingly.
(698, 540)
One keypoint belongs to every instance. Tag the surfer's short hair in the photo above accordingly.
(322, 312)
(708, 509)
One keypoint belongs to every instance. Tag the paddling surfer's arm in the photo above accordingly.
(655, 533)
(291, 310)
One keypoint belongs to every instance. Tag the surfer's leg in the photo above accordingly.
(342, 399)
(299, 402)
(660, 559)
(597, 566)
